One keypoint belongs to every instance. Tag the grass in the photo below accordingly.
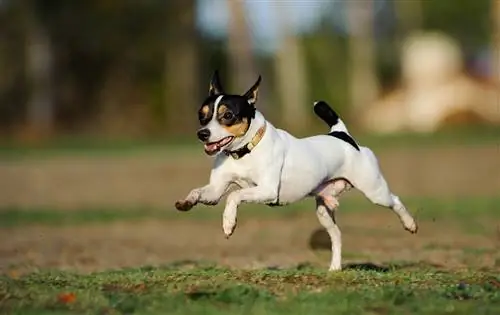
(188, 287)
(466, 209)
(208, 289)
(81, 145)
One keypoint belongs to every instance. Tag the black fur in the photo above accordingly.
(239, 106)
(215, 85)
(329, 116)
(345, 137)
(205, 118)
(239, 153)
(326, 113)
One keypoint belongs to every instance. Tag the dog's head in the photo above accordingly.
(225, 118)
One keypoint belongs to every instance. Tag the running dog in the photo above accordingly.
(273, 167)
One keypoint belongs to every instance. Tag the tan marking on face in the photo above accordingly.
(205, 109)
(238, 129)
(222, 109)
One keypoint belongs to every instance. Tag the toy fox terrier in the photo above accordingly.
(273, 167)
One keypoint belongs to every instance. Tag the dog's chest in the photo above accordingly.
(296, 181)
(242, 174)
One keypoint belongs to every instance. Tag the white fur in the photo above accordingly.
(217, 133)
(284, 169)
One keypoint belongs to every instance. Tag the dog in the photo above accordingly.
(273, 167)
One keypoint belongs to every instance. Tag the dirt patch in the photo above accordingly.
(256, 243)
(159, 179)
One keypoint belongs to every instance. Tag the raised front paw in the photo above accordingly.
(228, 226)
(183, 205)
(410, 225)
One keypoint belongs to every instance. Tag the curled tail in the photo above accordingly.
(337, 127)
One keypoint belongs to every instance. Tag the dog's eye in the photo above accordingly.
(228, 116)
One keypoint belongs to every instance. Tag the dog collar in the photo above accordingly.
(241, 152)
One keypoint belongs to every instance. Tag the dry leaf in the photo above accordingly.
(67, 297)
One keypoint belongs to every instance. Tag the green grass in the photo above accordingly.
(208, 289)
(466, 210)
(89, 146)
(204, 288)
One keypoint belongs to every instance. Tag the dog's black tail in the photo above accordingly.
(337, 126)
(329, 116)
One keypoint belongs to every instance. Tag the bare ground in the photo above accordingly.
(158, 180)
(375, 237)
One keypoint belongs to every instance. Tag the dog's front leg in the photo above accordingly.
(257, 194)
(208, 195)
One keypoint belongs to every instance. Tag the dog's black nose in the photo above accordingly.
(203, 134)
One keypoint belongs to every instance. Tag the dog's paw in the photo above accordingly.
(228, 226)
(183, 205)
(412, 229)
(411, 226)
(335, 268)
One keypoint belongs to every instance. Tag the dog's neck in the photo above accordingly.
(252, 137)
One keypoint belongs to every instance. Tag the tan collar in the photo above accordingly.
(239, 153)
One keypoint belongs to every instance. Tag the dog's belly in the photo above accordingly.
(290, 193)
(298, 183)
(307, 165)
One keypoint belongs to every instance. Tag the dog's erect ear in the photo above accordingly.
(251, 95)
(215, 85)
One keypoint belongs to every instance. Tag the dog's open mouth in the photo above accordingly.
(214, 147)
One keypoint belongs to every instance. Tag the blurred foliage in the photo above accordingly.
(110, 59)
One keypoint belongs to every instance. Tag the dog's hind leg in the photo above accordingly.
(326, 204)
(377, 191)
(389, 200)
(368, 179)
(326, 217)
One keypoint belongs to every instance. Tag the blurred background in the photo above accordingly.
(141, 68)
(99, 100)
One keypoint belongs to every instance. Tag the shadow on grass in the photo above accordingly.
(367, 266)
(320, 241)
(235, 294)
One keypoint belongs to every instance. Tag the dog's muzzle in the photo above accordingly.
(203, 134)
(215, 147)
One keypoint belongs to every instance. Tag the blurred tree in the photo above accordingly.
(325, 55)
(495, 38)
(291, 74)
(240, 54)
(39, 69)
(12, 85)
(181, 66)
(409, 15)
(363, 81)
(466, 21)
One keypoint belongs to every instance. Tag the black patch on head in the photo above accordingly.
(345, 137)
(237, 109)
(205, 116)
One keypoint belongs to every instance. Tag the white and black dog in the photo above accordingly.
(275, 168)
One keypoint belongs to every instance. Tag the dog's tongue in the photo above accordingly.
(211, 147)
